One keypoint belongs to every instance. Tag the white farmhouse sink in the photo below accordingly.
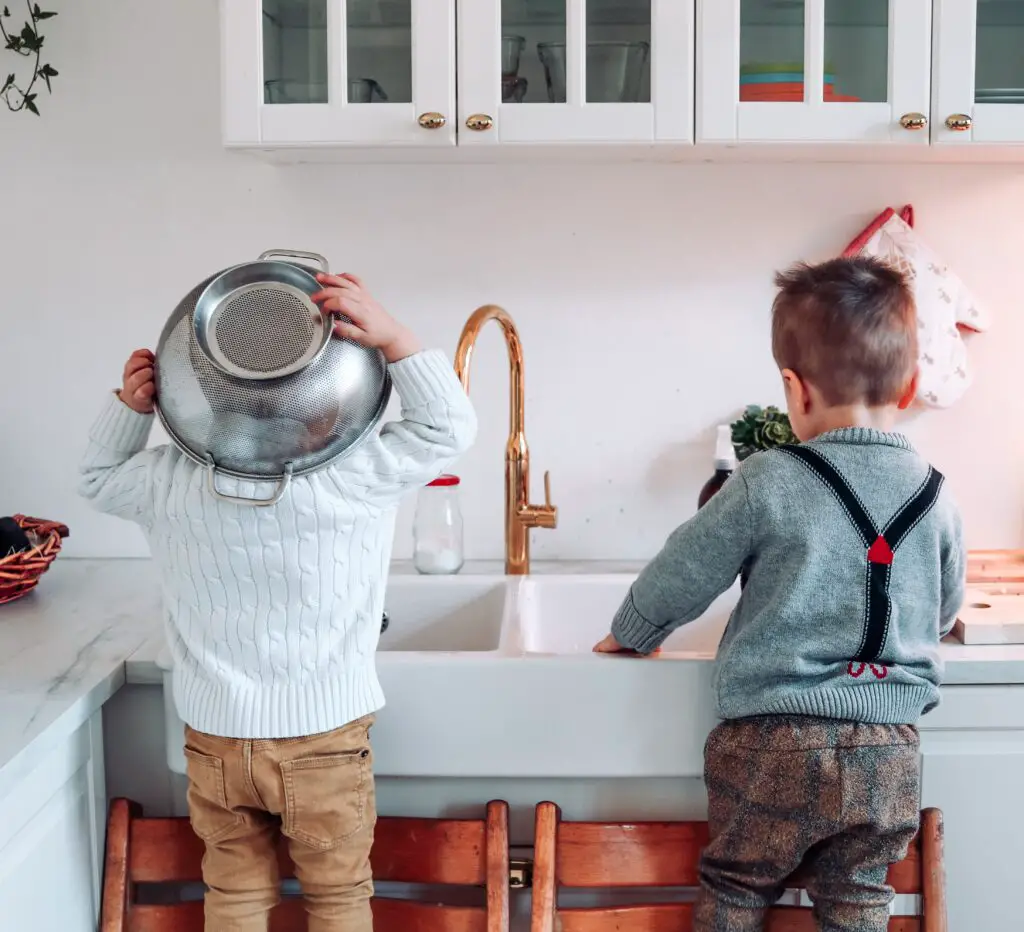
(570, 614)
(453, 613)
(493, 677)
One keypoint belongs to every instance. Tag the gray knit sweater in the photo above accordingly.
(856, 569)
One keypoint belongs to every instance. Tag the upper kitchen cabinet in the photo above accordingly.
(338, 72)
(979, 71)
(815, 70)
(565, 71)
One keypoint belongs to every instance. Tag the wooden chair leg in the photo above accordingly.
(544, 875)
(497, 867)
(933, 873)
(116, 884)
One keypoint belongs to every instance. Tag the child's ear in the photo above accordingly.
(798, 399)
(909, 393)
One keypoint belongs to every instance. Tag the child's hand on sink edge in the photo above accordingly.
(608, 645)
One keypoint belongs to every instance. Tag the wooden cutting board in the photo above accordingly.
(986, 566)
(991, 615)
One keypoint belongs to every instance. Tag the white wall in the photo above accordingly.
(642, 291)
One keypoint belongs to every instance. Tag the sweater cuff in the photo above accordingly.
(424, 377)
(120, 428)
(632, 630)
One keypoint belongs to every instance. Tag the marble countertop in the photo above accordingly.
(63, 651)
(95, 624)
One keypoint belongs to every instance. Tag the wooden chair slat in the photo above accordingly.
(417, 851)
(408, 916)
(674, 917)
(662, 854)
(592, 855)
(678, 917)
(430, 851)
(405, 850)
(164, 850)
(288, 916)
(389, 915)
(186, 917)
(640, 854)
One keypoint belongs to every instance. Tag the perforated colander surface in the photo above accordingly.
(264, 329)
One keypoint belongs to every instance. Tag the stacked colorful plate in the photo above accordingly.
(782, 82)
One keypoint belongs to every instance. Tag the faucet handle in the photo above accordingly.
(543, 516)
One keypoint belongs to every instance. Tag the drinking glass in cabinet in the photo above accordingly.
(999, 71)
(513, 87)
(538, 61)
(299, 48)
(773, 38)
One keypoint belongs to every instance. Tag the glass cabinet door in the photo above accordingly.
(574, 70)
(335, 71)
(814, 70)
(979, 66)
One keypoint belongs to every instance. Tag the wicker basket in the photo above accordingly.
(20, 572)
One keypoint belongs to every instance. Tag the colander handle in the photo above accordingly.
(282, 487)
(295, 254)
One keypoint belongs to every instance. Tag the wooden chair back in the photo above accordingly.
(610, 855)
(431, 852)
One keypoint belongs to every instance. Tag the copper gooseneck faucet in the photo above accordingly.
(520, 515)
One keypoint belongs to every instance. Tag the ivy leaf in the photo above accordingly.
(28, 42)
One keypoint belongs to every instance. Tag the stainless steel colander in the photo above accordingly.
(252, 384)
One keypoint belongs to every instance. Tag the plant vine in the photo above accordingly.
(28, 43)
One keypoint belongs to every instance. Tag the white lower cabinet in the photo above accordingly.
(51, 839)
(52, 816)
(973, 751)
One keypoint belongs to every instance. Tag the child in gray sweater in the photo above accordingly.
(856, 570)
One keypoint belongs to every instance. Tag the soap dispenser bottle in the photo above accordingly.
(725, 465)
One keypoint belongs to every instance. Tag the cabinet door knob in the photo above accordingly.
(432, 120)
(479, 122)
(913, 121)
(959, 122)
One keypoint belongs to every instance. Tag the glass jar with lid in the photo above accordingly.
(437, 528)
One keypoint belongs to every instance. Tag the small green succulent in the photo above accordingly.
(761, 429)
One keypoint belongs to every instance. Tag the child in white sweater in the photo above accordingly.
(273, 617)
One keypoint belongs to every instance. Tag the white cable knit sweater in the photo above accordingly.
(273, 613)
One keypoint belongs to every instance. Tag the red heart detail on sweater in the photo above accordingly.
(880, 552)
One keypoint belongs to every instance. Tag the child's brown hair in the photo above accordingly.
(848, 327)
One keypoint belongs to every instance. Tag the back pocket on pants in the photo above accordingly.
(327, 797)
(208, 810)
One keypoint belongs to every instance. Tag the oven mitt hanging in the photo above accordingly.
(944, 305)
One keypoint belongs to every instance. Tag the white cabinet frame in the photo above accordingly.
(249, 122)
(667, 118)
(723, 118)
